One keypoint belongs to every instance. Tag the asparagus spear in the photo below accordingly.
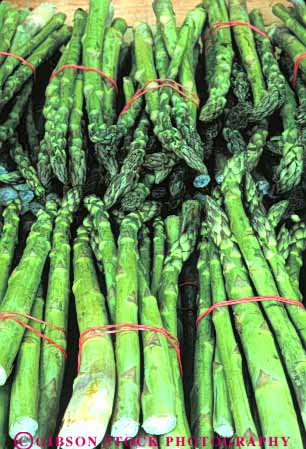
(8, 241)
(52, 363)
(219, 82)
(202, 392)
(261, 275)
(268, 243)
(134, 200)
(40, 55)
(276, 212)
(92, 51)
(90, 407)
(158, 397)
(291, 23)
(23, 163)
(158, 254)
(178, 253)
(25, 387)
(265, 367)
(107, 248)
(28, 275)
(283, 242)
(8, 29)
(296, 249)
(222, 415)
(32, 132)
(57, 135)
(144, 249)
(300, 9)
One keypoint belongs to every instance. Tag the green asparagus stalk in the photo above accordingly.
(265, 368)
(297, 247)
(261, 275)
(107, 248)
(158, 397)
(202, 392)
(32, 132)
(5, 8)
(179, 252)
(229, 352)
(52, 363)
(268, 242)
(158, 254)
(144, 248)
(222, 415)
(23, 163)
(8, 29)
(299, 9)
(219, 83)
(4, 407)
(92, 57)
(8, 241)
(135, 199)
(77, 154)
(29, 47)
(8, 128)
(43, 52)
(12, 177)
(57, 136)
(95, 383)
(291, 23)
(277, 212)
(23, 415)
(283, 243)
(28, 274)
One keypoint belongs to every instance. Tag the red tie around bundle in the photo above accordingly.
(86, 69)
(233, 302)
(297, 63)
(20, 58)
(99, 331)
(9, 315)
(163, 82)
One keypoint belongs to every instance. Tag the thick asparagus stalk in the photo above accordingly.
(8, 241)
(25, 387)
(28, 275)
(261, 275)
(56, 312)
(107, 249)
(90, 407)
(265, 368)
(4, 408)
(8, 29)
(291, 23)
(299, 9)
(158, 395)
(202, 392)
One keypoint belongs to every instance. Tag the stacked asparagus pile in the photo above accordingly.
(156, 177)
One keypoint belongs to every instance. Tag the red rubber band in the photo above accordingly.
(187, 283)
(165, 82)
(8, 315)
(87, 69)
(233, 23)
(297, 63)
(20, 58)
(127, 327)
(250, 299)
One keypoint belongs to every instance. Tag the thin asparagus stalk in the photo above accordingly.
(144, 249)
(158, 395)
(219, 83)
(283, 243)
(40, 55)
(178, 253)
(57, 136)
(8, 128)
(52, 363)
(202, 392)
(77, 154)
(265, 367)
(92, 56)
(158, 254)
(8, 241)
(30, 45)
(32, 132)
(277, 212)
(259, 271)
(4, 407)
(24, 406)
(222, 415)
(296, 249)
(23, 163)
(28, 275)
(107, 248)
(8, 29)
(90, 407)
(291, 23)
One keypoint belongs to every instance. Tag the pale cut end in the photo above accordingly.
(225, 430)
(125, 428)
(159, 425)
(24, 424)
(85, 430)
(3, 376)
(201, 181)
